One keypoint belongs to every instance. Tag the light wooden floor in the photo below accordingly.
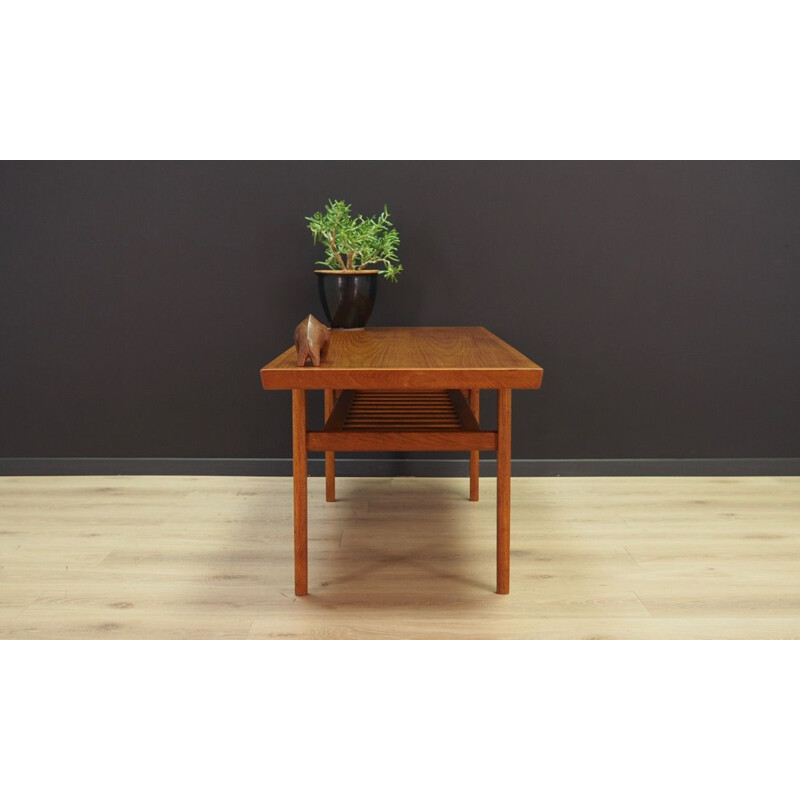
(411, 558)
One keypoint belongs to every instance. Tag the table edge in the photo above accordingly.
(406, 378)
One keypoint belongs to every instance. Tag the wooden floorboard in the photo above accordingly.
(149, 557)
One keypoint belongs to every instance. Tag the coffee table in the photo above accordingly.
(404, 389)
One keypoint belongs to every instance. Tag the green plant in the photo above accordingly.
(355, 243)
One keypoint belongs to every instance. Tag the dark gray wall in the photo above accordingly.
(138, 300)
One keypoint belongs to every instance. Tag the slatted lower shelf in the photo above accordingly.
(381, 421)
(370, 410)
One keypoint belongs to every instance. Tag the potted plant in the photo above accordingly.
(349, 282)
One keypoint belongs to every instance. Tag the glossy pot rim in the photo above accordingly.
(347, 271)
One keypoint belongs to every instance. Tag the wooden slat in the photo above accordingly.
(398, 395)
(384, 440)
(393, 422)
(436, 406)
(428, 409)
(390, 419)
(401, 409)
(396, 401)
(386, 423)
(415, 413)
(397, 414)
(410, 398)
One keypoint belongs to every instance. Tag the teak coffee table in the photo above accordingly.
(389, 389)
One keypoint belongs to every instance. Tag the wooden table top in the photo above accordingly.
(408, 358)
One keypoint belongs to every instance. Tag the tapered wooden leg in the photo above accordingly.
(300, 463)
(503, 490)
(474, 456)
(330, 456)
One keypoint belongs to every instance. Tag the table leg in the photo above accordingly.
(474, 456)
(503, 490)
(300, 472)
(330, 456)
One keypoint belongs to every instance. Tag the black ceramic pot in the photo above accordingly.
(347, 296)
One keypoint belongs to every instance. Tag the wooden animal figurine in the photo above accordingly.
(311, 339)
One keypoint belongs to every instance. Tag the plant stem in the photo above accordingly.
(350, 257)
(335, 251)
